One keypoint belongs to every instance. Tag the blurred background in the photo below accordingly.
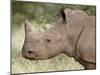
(40, 15)
(41, 12)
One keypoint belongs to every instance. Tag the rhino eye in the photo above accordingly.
(48, 40)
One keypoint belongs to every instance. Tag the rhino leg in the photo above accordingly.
(90, 66)
(87, 65)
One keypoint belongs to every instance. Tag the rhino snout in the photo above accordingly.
(29, 54)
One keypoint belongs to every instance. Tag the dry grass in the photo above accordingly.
(22, 65)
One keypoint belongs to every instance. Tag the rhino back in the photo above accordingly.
(91, 21)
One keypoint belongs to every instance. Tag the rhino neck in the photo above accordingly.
(73, 30)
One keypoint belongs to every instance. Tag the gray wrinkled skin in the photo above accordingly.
(73, 33)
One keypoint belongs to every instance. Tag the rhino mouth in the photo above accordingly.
(29, 58)
(34, 56)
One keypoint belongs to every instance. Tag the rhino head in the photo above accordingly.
(44, 45)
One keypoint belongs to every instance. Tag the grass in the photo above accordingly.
(22, 65)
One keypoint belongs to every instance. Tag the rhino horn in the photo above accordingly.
(27, 27)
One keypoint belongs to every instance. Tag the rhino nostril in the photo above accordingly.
(30, 52)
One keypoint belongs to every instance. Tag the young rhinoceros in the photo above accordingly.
(73, 33)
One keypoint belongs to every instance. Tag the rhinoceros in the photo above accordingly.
(72, 33)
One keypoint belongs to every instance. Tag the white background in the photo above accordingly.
(5, 37)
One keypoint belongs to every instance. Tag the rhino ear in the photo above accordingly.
(27, 26)
(63, 15)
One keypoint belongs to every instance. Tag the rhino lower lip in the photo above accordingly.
(30, 58)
